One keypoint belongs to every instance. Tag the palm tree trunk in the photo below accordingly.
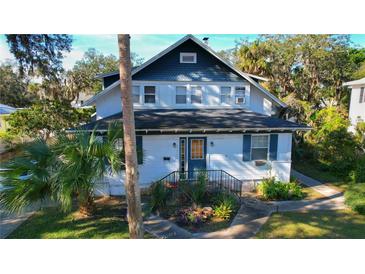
(87, 207)
(131, 166)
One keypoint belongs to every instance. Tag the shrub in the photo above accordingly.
(331, 142)
(224, 205)
(270, 189)
(159, 196)
(223, 211)
(355, 197)
(196, 192)
(359, 172)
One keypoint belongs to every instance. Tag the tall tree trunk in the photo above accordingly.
(131, 166)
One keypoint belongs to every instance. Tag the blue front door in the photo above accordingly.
(197, 151)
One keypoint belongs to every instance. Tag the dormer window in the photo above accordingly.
(188, 57)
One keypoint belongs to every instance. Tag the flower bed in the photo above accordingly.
(194, 206)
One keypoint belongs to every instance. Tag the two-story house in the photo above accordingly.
(357, 103)
(194, 110)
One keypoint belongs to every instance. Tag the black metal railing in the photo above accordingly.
(215, 179)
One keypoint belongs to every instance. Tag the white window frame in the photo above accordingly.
(186, 95)
(191, 94)
(183, 54)
(144, 95)
(243, 96)
(229, 95)
(139, 94)
(268, 146)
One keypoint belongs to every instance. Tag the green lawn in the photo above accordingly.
(314, 224)
(108, 223)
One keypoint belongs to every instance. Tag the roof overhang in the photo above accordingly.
(206, 130)
(355, 82)
(245, 76)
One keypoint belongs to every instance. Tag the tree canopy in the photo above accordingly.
(40, 54)
(46, 117)
(14, 88)
(309, 68)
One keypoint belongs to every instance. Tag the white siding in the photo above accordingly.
(109, 104)
(357, 109)
(255, 100)
(259, 102)
(225, 154)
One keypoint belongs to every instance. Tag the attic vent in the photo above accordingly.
(188, 57)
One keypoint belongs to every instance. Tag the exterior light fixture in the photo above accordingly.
(174, 144)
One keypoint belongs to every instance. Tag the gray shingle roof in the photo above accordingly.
(193, 119)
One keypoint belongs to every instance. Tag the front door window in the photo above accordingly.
(197, 149)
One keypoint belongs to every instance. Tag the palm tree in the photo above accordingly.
(131, 166)
(26, 178)
(83, 160)
(67, 168)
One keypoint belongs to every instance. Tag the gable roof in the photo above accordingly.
(245, 76)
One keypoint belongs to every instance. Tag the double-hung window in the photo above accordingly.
(225, 95)
(362, 96)
(136, 95)
(239, 95)
(181, 95)
(196, 95)
(149, 94)
(259, 147)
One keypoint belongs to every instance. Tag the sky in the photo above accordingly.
(145, 45)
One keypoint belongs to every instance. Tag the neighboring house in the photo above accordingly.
(193, 110)
(5, 110)
(357, 103)
(80, 100)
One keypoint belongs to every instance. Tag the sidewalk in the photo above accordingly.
(334, 199)
(314, 184)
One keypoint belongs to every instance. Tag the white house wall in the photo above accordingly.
(357, 109)
(225, 154)
(109, 104)
(255, 100)
(260, 102)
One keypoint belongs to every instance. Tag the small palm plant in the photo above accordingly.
(26, 178)
(67, 168)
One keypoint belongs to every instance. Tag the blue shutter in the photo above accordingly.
(273, 155)
(246, 147)
(139, 144)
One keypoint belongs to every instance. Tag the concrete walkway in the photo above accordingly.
(335, 202)
(315, 185)
(164, 229)
(246, 224)
(10, 221)
(334, 199)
